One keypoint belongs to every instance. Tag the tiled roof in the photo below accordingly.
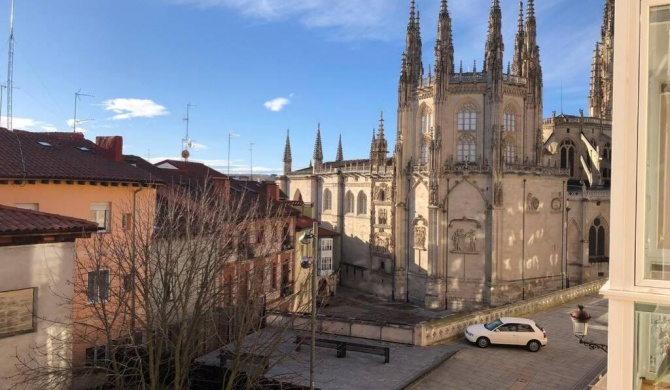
(15, 221)
(303, 222)
(29, 155)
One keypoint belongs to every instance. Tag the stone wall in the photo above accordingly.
(433, 331)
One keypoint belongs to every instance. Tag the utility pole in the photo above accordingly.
(186, 143)
(10, 71)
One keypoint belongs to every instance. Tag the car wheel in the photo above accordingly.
(483, 342)
(534, 345)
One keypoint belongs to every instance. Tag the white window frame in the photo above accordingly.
(641, 262)
(106, 209)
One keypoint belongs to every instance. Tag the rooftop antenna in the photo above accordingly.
(251, 158)
(75, 120)
(10, 71)
(187, 142)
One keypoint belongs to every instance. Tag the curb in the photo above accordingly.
(418, 378)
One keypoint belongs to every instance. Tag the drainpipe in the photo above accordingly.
(565, 245)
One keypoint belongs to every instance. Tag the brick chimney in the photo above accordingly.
(110, 147)
(272, 190)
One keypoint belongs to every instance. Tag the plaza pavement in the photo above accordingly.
(455, 365)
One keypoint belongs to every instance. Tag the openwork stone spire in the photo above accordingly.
(317, 157)
(444, 52)
(600, 97)
(519, 46)
(339, 157)
(288, 159)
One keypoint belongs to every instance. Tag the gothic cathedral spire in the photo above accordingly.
(444, 52)
(379, 149)
(412, 67)
(339, 157)
(519, 46)
(533, 69)
(600, 97)
(318, 150)
(493, 60)
(287, 154)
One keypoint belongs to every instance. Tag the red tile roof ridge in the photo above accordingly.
(17, 220)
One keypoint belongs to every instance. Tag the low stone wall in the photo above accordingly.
(433, 331)
(444, 329)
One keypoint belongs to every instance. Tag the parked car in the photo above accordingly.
(510, 331)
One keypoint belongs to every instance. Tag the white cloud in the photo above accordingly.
(197, 146)
(277, 104)
(127, 108)
(351, 18)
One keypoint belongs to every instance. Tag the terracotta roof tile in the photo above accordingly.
(65, 156)
(19, 221)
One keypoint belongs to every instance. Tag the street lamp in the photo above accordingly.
(306, 239)
(580, 326)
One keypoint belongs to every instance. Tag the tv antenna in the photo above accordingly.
(10, 71)
(187, 142)
(75, 120)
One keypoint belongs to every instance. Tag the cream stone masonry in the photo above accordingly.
(472, 208)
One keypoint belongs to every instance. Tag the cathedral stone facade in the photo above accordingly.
(470, 208)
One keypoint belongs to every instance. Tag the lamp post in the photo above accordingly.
(567, 225)
(230, 135)
(580, 326)
(306, 239)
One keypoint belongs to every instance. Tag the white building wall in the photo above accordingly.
(47, 267)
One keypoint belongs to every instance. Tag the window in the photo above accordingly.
(327, 200)
(127, 284)
(423, 158)
(381, 195)
(466, 149)
(98, 286)
(326, 266)
(260, 236)
(349, 202)
(426, 120)
(362, 203)
(126, 221)
(597, 241)
(100, 214)
(273, 277)
(467, 118)
(326, 244)
(383, 217)
(568, 156)
(510, 121)
(652, 330)
(509, 151)
(28, 206)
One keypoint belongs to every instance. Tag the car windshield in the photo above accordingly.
(493, 325)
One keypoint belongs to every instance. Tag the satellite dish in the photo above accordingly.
(185, 154)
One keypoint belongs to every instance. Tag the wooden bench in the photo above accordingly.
(343, 346)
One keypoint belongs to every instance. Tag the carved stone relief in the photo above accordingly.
(419, 237)
(464, 241)
(532, 203)
(556, 203)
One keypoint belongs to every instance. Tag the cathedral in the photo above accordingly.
(472, 206)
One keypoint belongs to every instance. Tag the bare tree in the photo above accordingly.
(177, 277)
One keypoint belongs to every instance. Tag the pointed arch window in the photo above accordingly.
(362, 203)
(467, 118)
(327, 200)
(426, 120)
(297, 195)
(349, 203)
(423, 158)
(510, 120)
(597, 242)
(509, 150)
(607, 152)
(467, 147)
(568, 156)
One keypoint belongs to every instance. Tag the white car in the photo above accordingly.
(510, 331)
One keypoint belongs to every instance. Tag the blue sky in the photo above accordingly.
(255, 68)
